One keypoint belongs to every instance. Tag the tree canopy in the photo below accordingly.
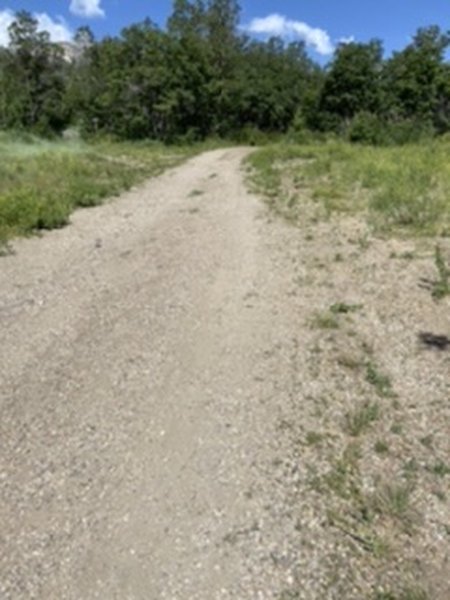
(202, 76)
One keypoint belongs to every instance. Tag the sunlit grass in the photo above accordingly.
(42, 182)
(403, 188)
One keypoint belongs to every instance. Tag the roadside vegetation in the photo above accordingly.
(42, 181)
(372, 277)
(402, 190)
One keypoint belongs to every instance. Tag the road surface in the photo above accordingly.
(145, 358)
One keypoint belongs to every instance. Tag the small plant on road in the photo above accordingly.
(358, 421)
(441, 287)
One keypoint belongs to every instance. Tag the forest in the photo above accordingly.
(201, 77)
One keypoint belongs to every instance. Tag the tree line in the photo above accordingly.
(201, 76)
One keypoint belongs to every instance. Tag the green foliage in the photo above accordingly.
(405, 188)
(201, 77)
(367, 128)
(381, 382)
(359, 420)
(32, 79)
(441, 287)
(394, 500)
(352, 82)
(42, 182)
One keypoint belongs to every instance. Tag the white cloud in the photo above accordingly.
(57, 28)
(87, 8)
(278, 25)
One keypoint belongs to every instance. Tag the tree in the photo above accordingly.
(352, 84)
(187, 19)
(414, 79)
(33, 79)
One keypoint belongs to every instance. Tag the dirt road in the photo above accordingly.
(144, 356)
(201, 402)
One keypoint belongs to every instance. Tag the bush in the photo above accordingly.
(408, 131)
(367, 128)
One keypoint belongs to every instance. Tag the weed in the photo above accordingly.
(381, 382)
(441, 287)
(440, 469)
(397, 428)
(404, 188)
(42, 182)
(410, 469)
(341, 479)
(343, 308)
(393, 500)
(325, 320)
(196, 193)
(313, 438)
(381, 447)
(358, 421)
(427, 441)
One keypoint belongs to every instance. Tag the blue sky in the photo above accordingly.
(321, 23)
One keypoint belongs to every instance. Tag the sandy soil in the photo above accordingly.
(172, 402)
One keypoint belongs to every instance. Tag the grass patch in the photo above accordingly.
(380, 382)
(342, 478)
(405, 188)
(325, 320)
(440, 469)
(42, 182)
(381, 447)
(313, 438)
(393, 500)
(362, 418)
(341, 308)
(196, 193)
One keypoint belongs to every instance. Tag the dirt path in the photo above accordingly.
(200, 402)
(145, 355)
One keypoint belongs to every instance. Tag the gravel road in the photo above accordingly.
(145, 360)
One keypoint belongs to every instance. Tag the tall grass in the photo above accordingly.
(400, 188)
(42, 182)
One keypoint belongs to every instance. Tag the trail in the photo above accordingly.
(146, 360)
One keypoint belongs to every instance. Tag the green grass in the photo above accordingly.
(42, 182)
(380, 382)
(325, 320)
(362, 418)
(398, 188)
(313, 438)
(440, 469)
(381, 447)
(343, 308)
(394, 500)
